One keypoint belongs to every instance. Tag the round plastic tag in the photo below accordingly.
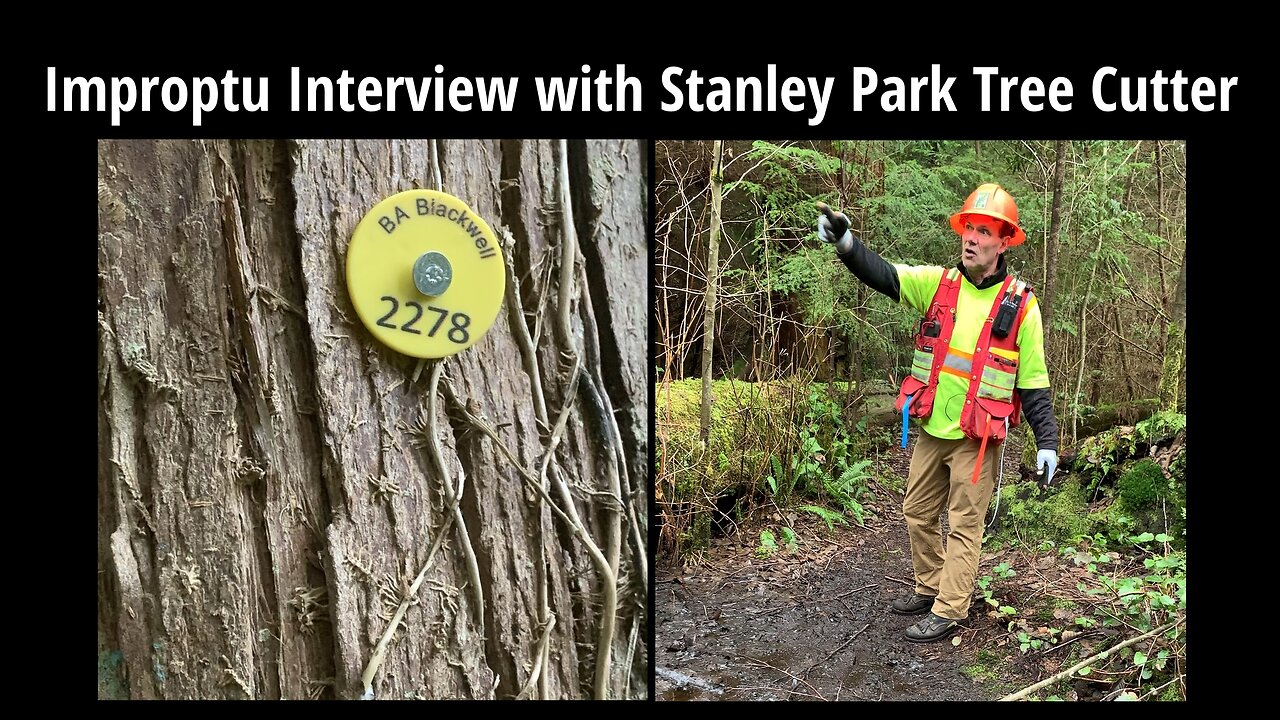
(425, 274)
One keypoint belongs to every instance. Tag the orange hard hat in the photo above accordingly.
(993, 201)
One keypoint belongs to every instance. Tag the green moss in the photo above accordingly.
(985, 667)
(781, 430)
(737, 409)
(1114, 520)
(1142, 486)
(749, 421)
(1029, 449)
(1034, 516)
(1146, 501)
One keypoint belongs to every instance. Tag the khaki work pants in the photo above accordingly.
(942, 477)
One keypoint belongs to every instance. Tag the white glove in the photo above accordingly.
(1043, 458)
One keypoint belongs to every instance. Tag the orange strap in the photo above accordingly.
(982, 449)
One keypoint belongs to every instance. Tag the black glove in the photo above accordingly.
(832, 226)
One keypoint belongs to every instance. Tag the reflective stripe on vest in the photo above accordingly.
(959, 361)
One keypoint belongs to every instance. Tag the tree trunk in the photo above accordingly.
(1160, 211)
(1129, 392)
(1175, 343)
(1097, 361)
(1055, 227)
(762, 355)
(1084, 339)
(268, 480)
(709, 312)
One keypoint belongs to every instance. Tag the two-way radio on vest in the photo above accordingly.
(1008, 312)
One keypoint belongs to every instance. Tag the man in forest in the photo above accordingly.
(979, 360)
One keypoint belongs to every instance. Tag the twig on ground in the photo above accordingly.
(784, 672)
(837, 650)
(774, 689)
(846, 594)
(1091, 633)
(1087, 661)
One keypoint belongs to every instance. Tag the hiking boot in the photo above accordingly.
(912, 604)
(931, 627)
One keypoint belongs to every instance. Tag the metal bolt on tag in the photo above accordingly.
(425, 274)
(432, 274)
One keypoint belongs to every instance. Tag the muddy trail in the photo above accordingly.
(812, 621)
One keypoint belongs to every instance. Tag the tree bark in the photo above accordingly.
(709, 312)
(1055, 228)
(1160, 210)
(1084, 339)
(1175, 342)
(1130, 393)
(267, 487)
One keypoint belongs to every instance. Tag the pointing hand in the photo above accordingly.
(832, 226)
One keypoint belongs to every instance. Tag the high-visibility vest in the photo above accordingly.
(992, 367)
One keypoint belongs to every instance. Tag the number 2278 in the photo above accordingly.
(459, 321)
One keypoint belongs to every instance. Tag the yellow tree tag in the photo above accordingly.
(425, 274)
